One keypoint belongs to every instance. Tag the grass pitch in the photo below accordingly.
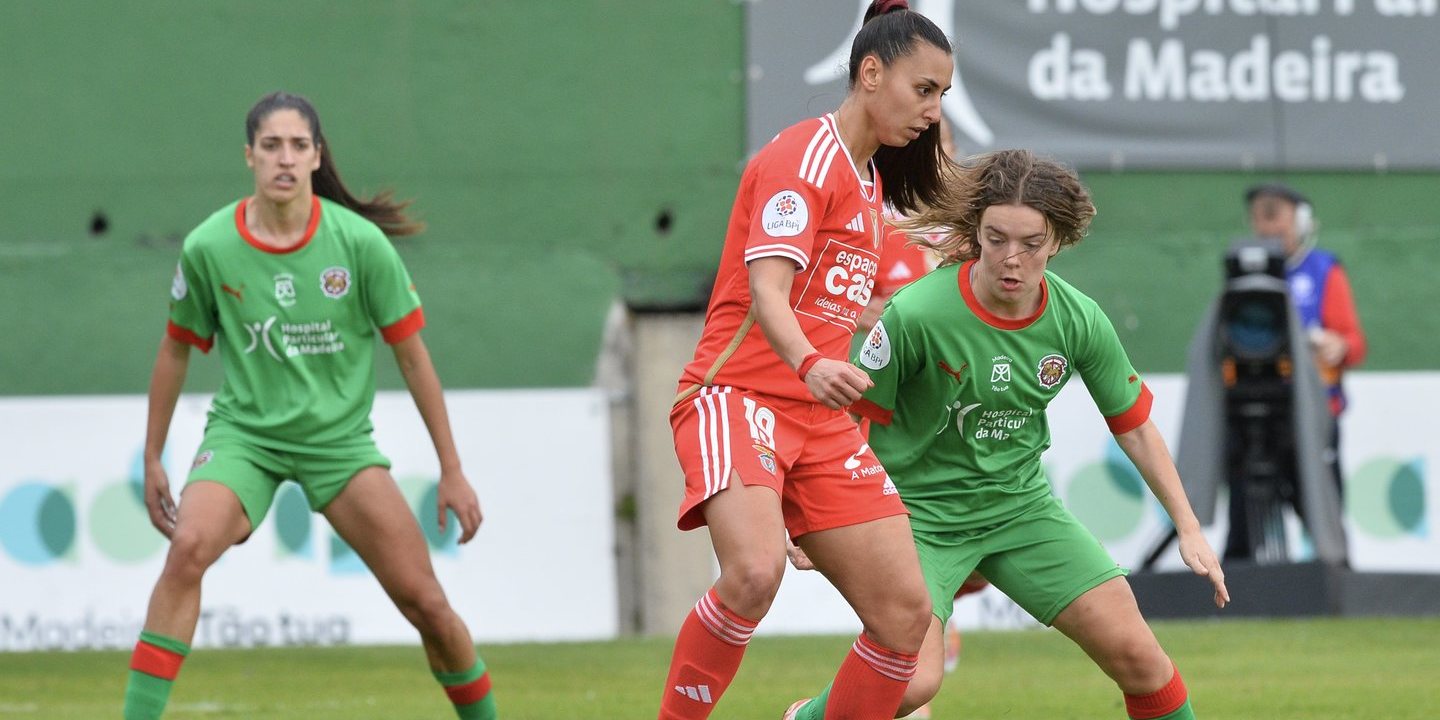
(1316, 669)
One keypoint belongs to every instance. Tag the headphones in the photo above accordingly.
(1304, 221)
(1304, 212)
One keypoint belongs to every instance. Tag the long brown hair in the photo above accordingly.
(912, 174)
(382, 208)
(1004, 177)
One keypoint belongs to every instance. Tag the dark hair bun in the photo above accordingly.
(880, 7)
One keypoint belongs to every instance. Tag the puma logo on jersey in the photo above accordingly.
(233, 291)
(952, 372)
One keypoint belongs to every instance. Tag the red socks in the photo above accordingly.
(871, 682)
(1161, 703)
(708, 650)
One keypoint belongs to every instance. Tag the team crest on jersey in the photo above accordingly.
(767, 457)
(1052, 370)
(335, 282)
(178, 288)
(202, 458)
(875, 353)
(785, 214)
(285, 289)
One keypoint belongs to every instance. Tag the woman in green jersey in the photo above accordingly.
(965, 361)
(298, 280)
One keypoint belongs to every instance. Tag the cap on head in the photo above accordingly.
(1275, 190)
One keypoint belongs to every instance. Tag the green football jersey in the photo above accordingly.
(958, 405)
(296, 328)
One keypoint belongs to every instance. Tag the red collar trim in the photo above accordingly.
(261, 245)
(968, 292)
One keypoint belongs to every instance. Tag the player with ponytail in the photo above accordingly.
(759, 418)
(298, 281)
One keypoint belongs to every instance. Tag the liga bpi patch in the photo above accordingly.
(785, 214)
(178, 288)
(875, 353)
(202, 458)
(1052, 370)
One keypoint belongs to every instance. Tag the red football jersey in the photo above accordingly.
(800, 198)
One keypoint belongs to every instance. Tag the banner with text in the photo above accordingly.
(78, 556)
(1214, 84)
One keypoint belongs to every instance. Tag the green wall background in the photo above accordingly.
(564, 155)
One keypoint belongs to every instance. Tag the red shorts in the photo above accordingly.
(813, 457)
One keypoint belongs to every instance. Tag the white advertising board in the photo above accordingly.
(78, 556)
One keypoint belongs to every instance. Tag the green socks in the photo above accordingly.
(815, 709)
(1181, 713)
(156, 662)
(153, 667)
(470, 691)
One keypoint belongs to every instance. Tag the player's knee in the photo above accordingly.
(191, 554)
(749, 587)
(911, 613)
(427, 609)
(900, 622)
(1139, 666)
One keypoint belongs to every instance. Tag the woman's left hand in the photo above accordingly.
(455, 494)
(1195, 551)
(798, 558)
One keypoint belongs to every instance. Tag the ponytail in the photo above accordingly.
(912, 174)
(381, 208)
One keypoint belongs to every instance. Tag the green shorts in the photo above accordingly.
(244, 464)
(1043, 559)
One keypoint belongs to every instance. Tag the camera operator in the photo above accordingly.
(1319, 289)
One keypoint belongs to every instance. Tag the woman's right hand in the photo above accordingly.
(157, 498)
(836, 383)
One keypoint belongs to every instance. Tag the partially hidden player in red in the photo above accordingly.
(759, 421)
(298, 282)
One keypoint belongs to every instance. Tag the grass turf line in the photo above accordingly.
(1312, 669)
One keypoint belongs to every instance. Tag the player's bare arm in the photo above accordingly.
(834, 383)
(171, 365)
(454, 493)
(1146, 449)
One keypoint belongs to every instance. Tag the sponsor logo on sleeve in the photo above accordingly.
(178, 288)
(875, 353)
(1052, 370)
(785, 214)
(335, 282)
(202, 458)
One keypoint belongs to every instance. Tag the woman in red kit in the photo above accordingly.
(759, 421)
